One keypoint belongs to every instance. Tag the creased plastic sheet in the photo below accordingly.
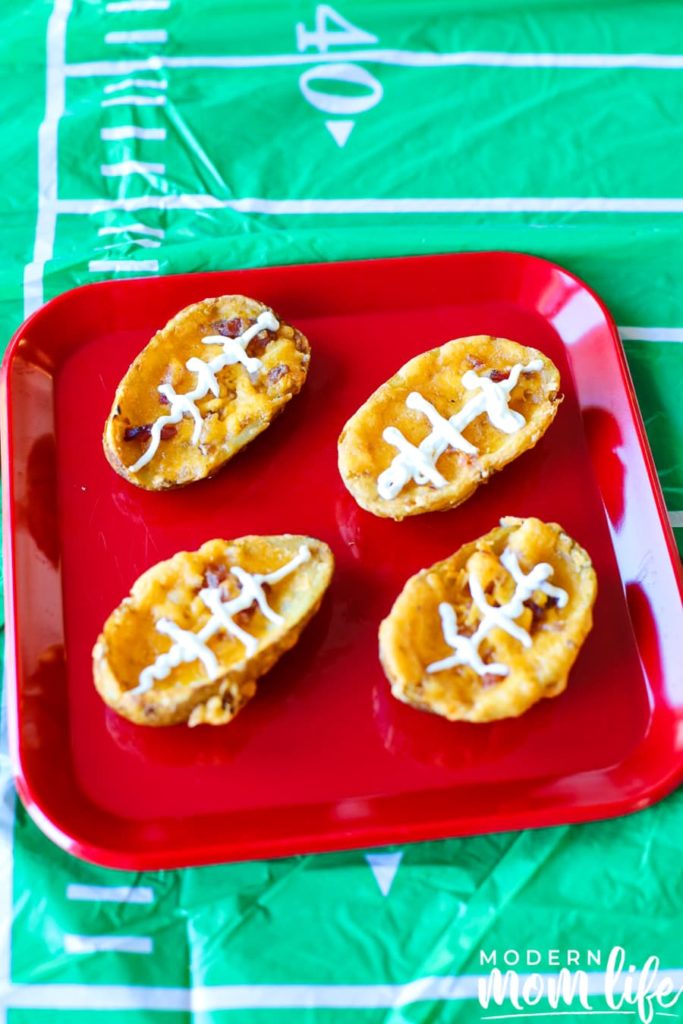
(180, 136)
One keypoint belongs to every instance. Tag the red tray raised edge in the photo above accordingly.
(93, 783)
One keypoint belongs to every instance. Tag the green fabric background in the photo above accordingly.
(438, 132)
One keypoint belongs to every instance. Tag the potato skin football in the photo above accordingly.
(437, 375)
(130, 640)
(411, 637)
(244, 407)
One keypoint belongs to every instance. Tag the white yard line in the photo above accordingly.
(118, 6)
(651, 333)
(47, 156)
(134, 101)
(136, 83)
(132, 131)
(83, 944)
(205, 999)
(511, 204)
(401, 58)
(144, 243)
(55, 88)
(137, 229)
(156, 36)
(95, 997)
(127, 167)
(110, 893)
(123, 266)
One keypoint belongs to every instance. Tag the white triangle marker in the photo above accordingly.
(340, 131)
(384, 867)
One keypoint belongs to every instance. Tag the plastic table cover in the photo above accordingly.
(159, 136)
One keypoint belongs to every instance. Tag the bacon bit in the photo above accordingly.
(142, 433)
(258, 345)
(277, 372)
(497, 375)
(536, 612)
(243, 617)
(215, 574)
(473, 361)
(231, 328)
(164, 400)
(489, 679)
(168, 431)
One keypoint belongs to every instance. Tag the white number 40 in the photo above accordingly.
(331, 29)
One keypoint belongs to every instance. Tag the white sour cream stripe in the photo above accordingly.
(188, 646)
(418, 463)
(495, 616)
(234, 351)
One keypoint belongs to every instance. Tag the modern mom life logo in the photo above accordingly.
(529, 985)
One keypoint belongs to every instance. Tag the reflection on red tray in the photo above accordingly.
(324, 758)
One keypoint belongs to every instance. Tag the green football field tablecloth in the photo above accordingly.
(163, 136)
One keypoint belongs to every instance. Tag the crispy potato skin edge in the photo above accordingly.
(389, 647)
(238, 682)
(417, 502)
(247, 435)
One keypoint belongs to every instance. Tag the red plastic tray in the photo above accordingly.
(324, 758)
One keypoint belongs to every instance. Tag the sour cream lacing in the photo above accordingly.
(234, 351)
(495, 616)
(188, 646)
(418, 462)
